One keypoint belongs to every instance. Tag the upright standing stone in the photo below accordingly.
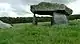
(34, 20)
(60, 18)
(52, 19)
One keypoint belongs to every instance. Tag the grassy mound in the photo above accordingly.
(42, 34)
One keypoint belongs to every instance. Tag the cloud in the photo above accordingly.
(31, 1)
(62, 1)
(75, 7)
(53, 1)
(21, 7)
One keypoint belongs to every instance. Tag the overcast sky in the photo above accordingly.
(16, 8)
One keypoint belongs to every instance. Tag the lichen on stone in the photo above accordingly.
(45, 6)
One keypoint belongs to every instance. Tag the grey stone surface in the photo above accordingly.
(34, 20)
(4, 25)
(45, 6)
(60, 18)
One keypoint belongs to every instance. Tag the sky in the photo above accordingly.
(75, 6)
(21, 8)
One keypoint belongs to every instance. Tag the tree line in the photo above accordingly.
(13, 20)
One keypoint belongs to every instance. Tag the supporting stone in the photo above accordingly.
(34, 20)
(60, 18)
(52, 19)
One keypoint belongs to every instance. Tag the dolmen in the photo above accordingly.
(59, 12)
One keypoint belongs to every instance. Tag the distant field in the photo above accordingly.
(44, 33)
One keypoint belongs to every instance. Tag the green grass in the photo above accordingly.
(42, 34)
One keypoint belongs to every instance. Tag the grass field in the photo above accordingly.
(42, 34)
